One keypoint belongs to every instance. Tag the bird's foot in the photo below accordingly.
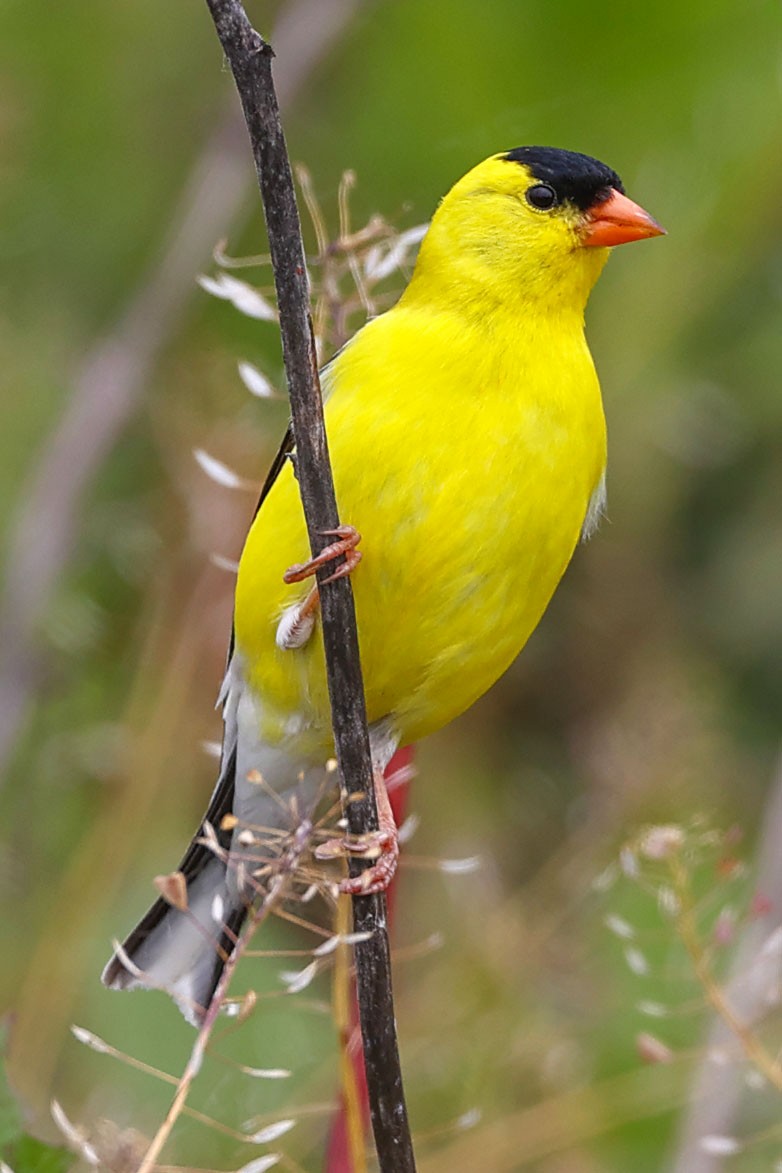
(347, 540)
(380, 846)
(297, 622)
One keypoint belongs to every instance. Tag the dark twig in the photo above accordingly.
(250, 58)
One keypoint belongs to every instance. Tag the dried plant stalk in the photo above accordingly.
(249, 57)
(277, 887)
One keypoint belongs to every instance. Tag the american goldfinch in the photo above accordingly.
(468, 445)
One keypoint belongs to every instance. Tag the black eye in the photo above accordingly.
(541, 196)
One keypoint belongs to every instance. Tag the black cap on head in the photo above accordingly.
(575, 178)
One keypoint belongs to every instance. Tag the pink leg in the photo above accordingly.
(297, 622)
(383, 844)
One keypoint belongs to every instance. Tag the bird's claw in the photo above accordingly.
(298, 621)
(347, 539)
(380, 846)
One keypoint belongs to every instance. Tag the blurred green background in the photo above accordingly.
(652, 690)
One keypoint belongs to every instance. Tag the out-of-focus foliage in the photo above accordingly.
(24, 1153)
(653, 689)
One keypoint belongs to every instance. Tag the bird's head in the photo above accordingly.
(532, 225)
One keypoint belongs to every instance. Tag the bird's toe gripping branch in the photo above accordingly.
(382, 846)
(297, 622)
(347, 540)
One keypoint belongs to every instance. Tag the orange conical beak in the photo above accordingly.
(617, 220)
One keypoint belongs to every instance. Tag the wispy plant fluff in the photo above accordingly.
(703, 902)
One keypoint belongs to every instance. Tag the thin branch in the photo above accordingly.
(250, 57)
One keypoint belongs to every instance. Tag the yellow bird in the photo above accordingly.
(468, 446)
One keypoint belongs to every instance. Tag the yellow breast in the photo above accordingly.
(468, 468)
